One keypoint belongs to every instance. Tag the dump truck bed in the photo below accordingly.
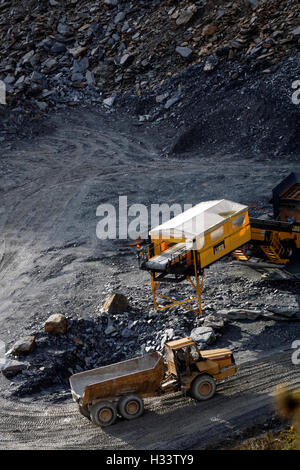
(218, 354)
(141, 375)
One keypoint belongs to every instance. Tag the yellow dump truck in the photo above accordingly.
(118, 389)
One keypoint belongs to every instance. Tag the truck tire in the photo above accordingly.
(203, 387)
(131, 406)
(84, 411)
(103, 413)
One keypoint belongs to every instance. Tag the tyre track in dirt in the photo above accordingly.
(60, 168)
(172, 422)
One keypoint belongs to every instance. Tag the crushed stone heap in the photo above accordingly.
(53, 48)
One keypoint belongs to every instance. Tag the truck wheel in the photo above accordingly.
(203, 387)
(131, 406)
(84, 411)
(103, 413)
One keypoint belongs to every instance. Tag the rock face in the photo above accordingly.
(22, 346)
(56, 323)
(116, 303)
(203, 335)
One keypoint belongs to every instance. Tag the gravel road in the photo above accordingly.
(172, 422)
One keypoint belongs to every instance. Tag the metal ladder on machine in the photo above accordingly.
(275, 251)
(240, 254)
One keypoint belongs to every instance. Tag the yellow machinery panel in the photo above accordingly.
(276, 240)
(213, 229)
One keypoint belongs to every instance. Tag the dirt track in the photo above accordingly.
(170, 423)
(52, 261)
(51, 187)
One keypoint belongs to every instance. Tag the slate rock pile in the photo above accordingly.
(107, 337)
(58, 52)
(53, 355)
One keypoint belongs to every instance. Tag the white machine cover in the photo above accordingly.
(198, 220)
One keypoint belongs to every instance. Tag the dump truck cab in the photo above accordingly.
(189, 369)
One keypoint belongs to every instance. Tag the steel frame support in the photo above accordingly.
(197, 285)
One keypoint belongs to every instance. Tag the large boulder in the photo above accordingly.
(288, 312)
(22, 346)
(241, 314)
(10, 368)
(116, 303)
(203, 335)
(56, 323)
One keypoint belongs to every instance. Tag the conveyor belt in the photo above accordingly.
(266, 224)
(160, 261)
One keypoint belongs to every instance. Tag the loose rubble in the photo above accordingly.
(216, 322)
(104, 338)
(57, 52)
(217, 64)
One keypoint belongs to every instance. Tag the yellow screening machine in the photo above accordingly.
(182, 247)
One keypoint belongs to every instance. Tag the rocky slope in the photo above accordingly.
(56, 52)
